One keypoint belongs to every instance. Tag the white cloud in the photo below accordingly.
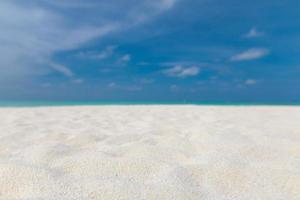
(253, 33)
(126, 58)
(182, 63)
(250, 54)
(104, 54)
(112, 85)
(168, 3)
(131, 88)
(78, 81)
(181, 72)
(250, 82)
(33, 31)
(87, 4)
(63, 70)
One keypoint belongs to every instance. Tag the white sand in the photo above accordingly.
(150, 152)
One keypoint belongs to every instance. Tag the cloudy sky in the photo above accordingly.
(150, 50)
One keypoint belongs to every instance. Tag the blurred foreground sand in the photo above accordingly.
(150, 152)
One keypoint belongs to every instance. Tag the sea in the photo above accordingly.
(127, 103)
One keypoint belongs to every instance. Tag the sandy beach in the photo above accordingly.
(150, 152)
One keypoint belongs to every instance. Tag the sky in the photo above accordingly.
(150, 50)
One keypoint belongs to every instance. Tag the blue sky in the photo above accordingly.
(151, 50)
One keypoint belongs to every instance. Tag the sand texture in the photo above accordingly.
(150, 152)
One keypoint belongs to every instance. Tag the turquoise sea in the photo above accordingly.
(105, 103)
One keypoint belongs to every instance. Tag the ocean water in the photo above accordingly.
(105, 103)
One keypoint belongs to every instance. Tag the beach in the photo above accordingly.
(150, 152)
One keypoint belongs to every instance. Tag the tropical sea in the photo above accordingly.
(106, 103)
